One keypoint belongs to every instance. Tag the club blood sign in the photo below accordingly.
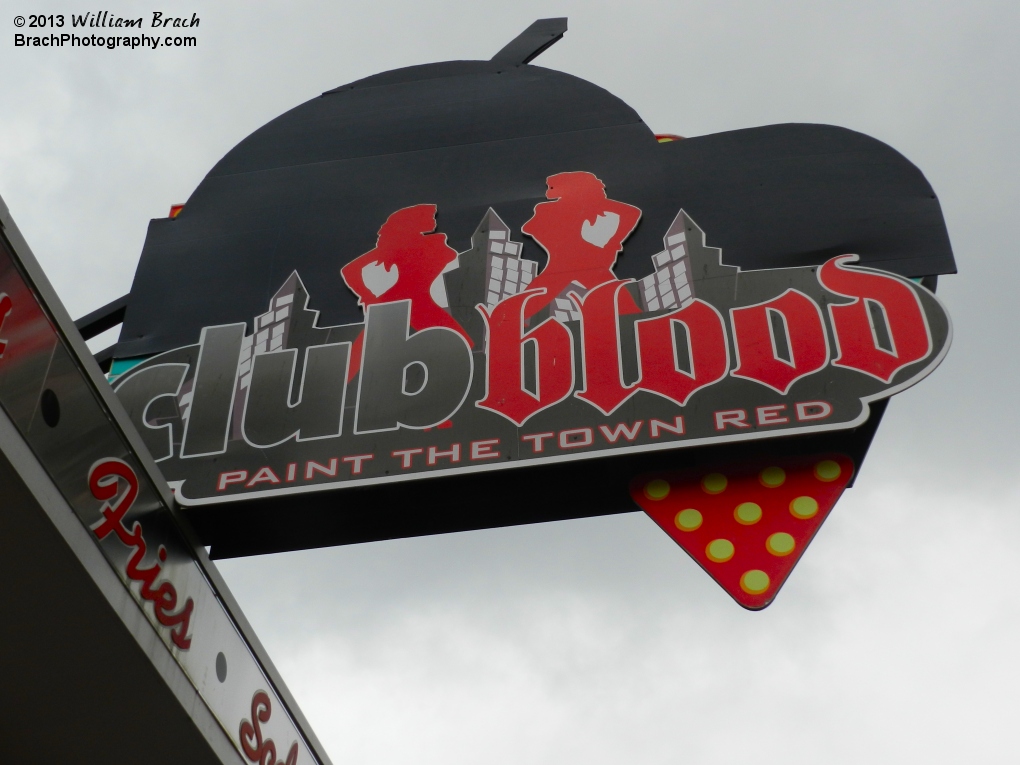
(571, 363)
(555, 336)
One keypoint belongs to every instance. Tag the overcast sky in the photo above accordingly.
(600, 641)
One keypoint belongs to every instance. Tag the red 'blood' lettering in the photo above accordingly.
(707, 351)
(780, 341)
(551, 345)
(603, 368)
(885, 312)
(5, 308)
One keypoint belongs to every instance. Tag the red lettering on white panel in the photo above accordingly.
(104, 482)
(260, 750)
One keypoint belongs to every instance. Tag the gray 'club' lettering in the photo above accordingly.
(269, 416)
(414, 381)
(142, 389)
(209, 420)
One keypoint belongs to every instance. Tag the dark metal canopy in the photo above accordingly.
(309, 190)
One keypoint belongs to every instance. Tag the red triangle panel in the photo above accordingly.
(746, 525)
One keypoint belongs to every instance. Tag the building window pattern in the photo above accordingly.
(506, 272)
(270, 331)
(565, 309)
(669, 287)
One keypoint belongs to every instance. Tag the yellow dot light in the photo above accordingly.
(714, 483)
(780, 544)
(657, 489)
(771, 477)
(719, 550)
(754, 582)
(688, 520)
(803, 507)
(747, 513)
(827, 471)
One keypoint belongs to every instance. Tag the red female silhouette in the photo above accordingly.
(582, 231)
(406, 260)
